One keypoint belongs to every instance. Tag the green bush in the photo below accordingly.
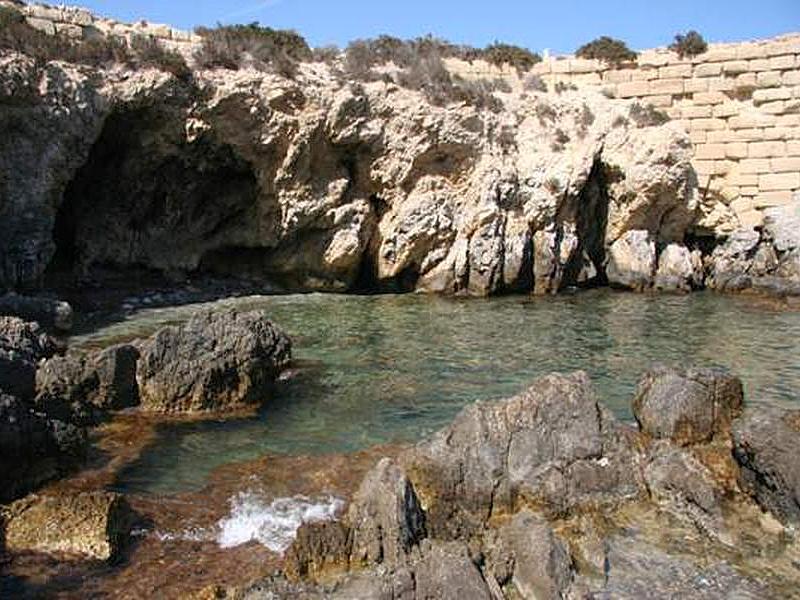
(609, 50)
(499, 54)
(234, 46)
(689, 44)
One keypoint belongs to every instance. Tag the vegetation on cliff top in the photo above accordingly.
(689, 44)
(609, 50)
(143, 52)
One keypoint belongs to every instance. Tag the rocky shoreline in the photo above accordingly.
(545, 494)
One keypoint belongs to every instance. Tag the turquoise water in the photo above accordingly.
(378, 369)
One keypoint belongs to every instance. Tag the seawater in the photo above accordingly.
(380, 369)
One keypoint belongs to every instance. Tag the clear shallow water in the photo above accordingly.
(378, 369)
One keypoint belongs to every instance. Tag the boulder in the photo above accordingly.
(687, 406)
(22, 346)
(45, 311)
(213, 362)
(385, 517)
(632, 261)
(729, 264)
(679, 269)
(80, 389)
(529, 557)
(782, 225)
(766, 446)
(90, 525)
(552, 446)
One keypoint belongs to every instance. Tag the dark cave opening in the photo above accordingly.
(148, 201)
(591, 220)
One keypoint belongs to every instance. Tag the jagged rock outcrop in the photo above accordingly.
(83, 388)
(213, 362)
(321, 183)
(33, 447)
(554, 447)
(766, 260)
(93, 525)
(22, 346)
(632, 261)
(497, 525)
(767, 442)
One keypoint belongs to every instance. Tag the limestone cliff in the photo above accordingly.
(318, 182)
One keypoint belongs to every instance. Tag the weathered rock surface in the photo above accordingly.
(92, 525)
(632, 261)
(385, 517)
(679, 269)
(213, 362)
(767, 446)
(682, 484)
(319, 183)
(766, 261)
(81, 389)
(527, 557)
(687, 406)
(553, 447)
(544, 495)
(33, 447)
(45, 311)
(22, 346)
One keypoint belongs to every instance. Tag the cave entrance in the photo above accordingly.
(591, 221)
(148, 201)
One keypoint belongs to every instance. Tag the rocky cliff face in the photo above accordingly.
(317, 182)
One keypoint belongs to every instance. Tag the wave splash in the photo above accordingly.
(272, 524)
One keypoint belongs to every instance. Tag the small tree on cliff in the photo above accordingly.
(689, 44)
(609, 50)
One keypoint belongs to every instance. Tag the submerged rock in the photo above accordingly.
(92, 525)
(687, 406)
(767, 446)
(213, 362)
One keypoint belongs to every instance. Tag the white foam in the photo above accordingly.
(274, 524)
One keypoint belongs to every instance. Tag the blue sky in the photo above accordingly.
(559, 25)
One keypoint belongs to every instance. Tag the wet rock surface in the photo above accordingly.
(86, 525)
(213, 362)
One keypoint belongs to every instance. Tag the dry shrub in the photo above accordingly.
(647, 115)
(236, 46)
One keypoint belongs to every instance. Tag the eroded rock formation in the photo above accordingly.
(321, 183)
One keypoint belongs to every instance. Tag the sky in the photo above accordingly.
(560, 26)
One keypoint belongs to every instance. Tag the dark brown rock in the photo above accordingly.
(22, 346)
